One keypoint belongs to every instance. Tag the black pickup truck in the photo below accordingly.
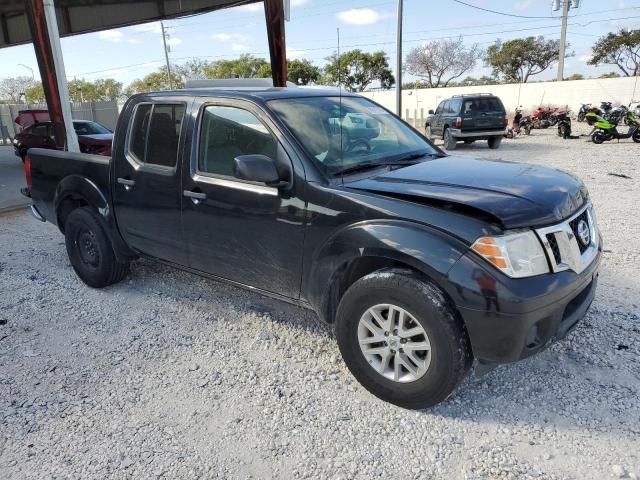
(421, 261)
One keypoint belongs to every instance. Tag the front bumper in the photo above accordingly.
(518, 317)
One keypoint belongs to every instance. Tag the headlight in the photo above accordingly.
(515, 254)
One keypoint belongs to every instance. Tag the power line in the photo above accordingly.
(495, 11)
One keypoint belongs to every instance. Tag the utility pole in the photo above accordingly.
(166, 54)
(399, 62)
(563, 39)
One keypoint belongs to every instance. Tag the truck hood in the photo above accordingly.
(515, 195)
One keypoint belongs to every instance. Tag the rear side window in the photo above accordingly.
(454, 105)
(155, 133)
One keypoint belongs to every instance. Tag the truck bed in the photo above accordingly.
(53, 171)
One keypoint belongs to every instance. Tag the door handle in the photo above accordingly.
(196, 197)
(128, 184)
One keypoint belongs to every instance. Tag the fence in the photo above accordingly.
(105, 113)
(417, 102)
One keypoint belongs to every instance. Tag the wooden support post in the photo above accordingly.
(274, 13)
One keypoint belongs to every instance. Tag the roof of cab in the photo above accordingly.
(263, 93)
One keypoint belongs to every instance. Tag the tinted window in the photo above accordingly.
(228, 132)
(89, 128)
(40, 130)
(155, 133)
(483, 104)
(440, 108)
(454, 105)
(164, 134)
(139, 129)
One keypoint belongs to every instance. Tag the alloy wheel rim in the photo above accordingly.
(394, 343)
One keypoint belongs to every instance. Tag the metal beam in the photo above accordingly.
(274, 13)
(46, 43)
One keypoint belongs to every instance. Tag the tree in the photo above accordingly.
(441, 61)
(194, 69)
(610, 75)
(576, 76)
(621, 49)
(518, 59)
(246, 66)
(299, 71)
(356, 70)
(35, 94)
(12, 88)
(154, 82)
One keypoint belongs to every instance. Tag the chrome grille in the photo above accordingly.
(563, 244)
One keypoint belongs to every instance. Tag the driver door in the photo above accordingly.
(245, 232)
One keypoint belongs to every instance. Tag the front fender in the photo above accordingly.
(422, 248)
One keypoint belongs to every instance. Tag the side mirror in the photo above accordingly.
(430, 112)
(257, 168)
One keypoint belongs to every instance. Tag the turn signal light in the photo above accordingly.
(489, 249)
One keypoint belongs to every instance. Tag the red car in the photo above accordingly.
(92, 137)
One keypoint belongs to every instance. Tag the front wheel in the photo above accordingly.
(580, 117)
(90, 251)
(636, 136)
(401, 340)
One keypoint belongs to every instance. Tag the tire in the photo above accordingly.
(527, 129)
(597, 138)
(23, 153)
(580, 117)
(449, 355)
(449, 140)
(636, 136)
(494, 142)
(427, 132)
(90, 251)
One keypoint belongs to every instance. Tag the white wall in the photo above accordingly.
(416, 103)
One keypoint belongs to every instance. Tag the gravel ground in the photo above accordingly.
(171, 375)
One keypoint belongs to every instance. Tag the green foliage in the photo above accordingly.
(575, 76)
(102, 90)
(35, 94)
(518, 59)
(356, 70)
(194, 69)
(246, 66)
(154, 82)
(621, 49)
(610, 75)
(302, 72)
(441, 61)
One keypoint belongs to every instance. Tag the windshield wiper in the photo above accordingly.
(415, 156)
(360, 167)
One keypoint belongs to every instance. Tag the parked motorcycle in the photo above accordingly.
(605, 130)
(525, 124)
(541, 117)
(586, 108)
(564, 124)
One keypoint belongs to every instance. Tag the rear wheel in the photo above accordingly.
(401, 340)
(449, 140)
(23, 153)
(636, 136)
(494, 142)
(527, 129)
(90, 251)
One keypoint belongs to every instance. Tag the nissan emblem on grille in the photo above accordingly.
(583, 232)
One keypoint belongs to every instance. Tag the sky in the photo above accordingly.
(312, 32)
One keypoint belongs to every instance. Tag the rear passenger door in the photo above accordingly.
(146, 190)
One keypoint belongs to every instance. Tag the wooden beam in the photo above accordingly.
(274, 13)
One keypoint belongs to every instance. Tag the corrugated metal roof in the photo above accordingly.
(83, 16)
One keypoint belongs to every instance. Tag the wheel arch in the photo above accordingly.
(368, 247)
(76, 191)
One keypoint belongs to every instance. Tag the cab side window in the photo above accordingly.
(155, 133)
(440, 108)
(228, 132)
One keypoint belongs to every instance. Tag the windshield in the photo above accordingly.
(89, 128)
(342, 133)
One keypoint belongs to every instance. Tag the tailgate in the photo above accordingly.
(483, 114)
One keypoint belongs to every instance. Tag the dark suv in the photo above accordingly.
(468, 118)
